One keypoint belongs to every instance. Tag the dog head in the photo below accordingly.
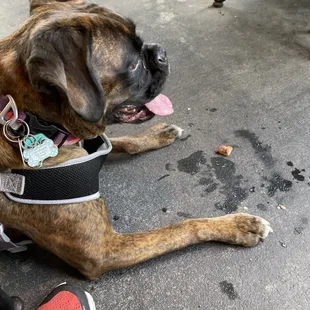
(90, 62)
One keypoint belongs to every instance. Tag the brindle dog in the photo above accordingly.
(79, 65)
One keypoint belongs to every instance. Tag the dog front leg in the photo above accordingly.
(156, 137)
(124, 250)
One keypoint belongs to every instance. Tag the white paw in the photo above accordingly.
(266, 228)
(179, 130)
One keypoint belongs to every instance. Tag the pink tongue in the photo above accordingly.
(160, 106)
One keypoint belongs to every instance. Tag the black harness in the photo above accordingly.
(74, 181)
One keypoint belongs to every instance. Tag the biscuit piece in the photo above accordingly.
(224, 150)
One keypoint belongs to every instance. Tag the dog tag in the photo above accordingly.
(38, 148)
(34, 140)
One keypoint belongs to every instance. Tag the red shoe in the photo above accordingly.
(68, 297)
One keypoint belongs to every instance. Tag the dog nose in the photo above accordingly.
(161, 55)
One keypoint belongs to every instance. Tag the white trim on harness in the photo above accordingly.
(105, 149)
(53, 202)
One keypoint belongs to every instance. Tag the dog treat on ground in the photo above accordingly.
(224, 150)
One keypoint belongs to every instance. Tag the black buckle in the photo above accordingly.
(38, 125)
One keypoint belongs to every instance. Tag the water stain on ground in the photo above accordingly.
(297, 174)
(185, 138)
(211, 188)
(229, 290)
(170, 167)
(205, 181)
(193, 163)
(224, 169)
(263, 151)
(261, 207)
(225, 172)
(277, 183)
(185, 215)
(210, 184)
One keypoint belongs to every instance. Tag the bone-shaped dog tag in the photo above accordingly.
(38, 148)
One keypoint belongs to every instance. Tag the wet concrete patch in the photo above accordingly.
(278, 183)
(225, 172)
(263, 151)
(170, 167)
(261, 207)
(296, 173)
(205, 181)
(211, 188)
(229, 290)
(224, 169)
(221, 173)
(193, 163)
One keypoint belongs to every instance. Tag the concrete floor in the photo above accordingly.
(243, 71)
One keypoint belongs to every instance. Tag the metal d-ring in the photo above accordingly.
(11, 105)
(13, 138)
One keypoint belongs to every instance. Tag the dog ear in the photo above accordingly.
(60, 61)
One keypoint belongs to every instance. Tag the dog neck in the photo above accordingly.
(15, 82)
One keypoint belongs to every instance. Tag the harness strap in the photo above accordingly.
(11, 183)
(7, 245)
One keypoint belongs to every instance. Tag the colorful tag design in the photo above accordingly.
(34, 140)
(37, 148)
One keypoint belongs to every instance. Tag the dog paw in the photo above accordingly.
(167, 134)
(179, 131)
(162, 128)
(162, 134)
(154, 138)
(243, 229)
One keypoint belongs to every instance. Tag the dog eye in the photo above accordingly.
(134, 66)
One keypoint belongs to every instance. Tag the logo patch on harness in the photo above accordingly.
(12, 183)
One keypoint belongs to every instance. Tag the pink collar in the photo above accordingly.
(9, 112)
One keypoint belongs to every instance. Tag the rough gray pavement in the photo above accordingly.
(243, 70)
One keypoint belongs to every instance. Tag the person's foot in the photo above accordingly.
(68, 297)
